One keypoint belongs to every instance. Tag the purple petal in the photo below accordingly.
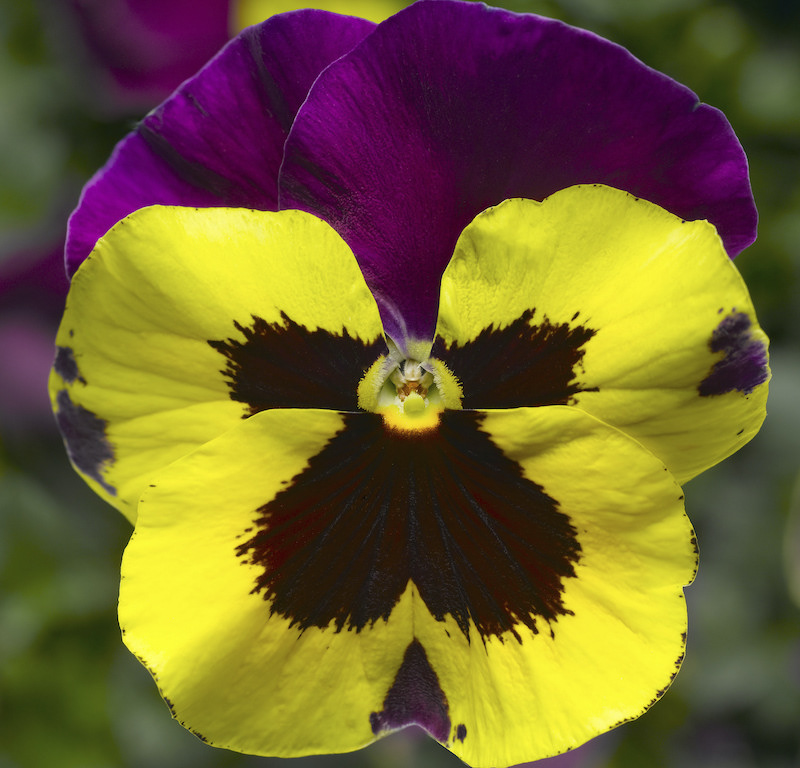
(448, 108)
(218, 141)
(133, 178)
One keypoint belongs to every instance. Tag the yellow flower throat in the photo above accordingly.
(409, 394)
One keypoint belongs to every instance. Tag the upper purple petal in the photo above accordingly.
(218, 140)
(449, 108)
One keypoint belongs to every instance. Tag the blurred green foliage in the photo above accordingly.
(72, 697)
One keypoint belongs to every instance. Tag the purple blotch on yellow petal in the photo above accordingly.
(86, 440)
(66, 366)
(415, 698)
(744, 363)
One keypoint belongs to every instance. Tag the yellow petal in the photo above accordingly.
(604, 301)
(318, 624)
(247, 12)
(184, 321)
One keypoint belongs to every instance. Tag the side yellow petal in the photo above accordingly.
(172, 305)
(608, 302)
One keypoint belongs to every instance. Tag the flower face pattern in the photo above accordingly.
(399, 404)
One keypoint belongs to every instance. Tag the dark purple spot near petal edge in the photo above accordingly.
(66, 366)
(85, 437)
(744, 363)
(415, 698)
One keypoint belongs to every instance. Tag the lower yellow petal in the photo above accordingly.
(234, 674)
(250, 664)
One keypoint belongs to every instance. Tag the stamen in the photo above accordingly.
(410, 377)
(416, 404)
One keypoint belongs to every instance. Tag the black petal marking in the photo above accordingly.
(519, 365)
(66, 366)
(284, 365)
(444, 508)
(415, 698)
(85, 437)
(223, 191)
(744, 363)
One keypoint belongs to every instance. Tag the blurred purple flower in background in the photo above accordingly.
(32, 291)
(135, 53)
(143, 49)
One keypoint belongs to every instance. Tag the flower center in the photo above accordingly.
(409, 394)
(411, 380)
(410, 399)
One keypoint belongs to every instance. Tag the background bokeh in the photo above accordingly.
(73, 81)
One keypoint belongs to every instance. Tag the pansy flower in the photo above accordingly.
(396, 342)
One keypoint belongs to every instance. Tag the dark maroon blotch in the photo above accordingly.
(284, 365)
(85, 437)
(518, 365)
(444, 508)
(415, 698)
(744, 363)
(461, 732)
